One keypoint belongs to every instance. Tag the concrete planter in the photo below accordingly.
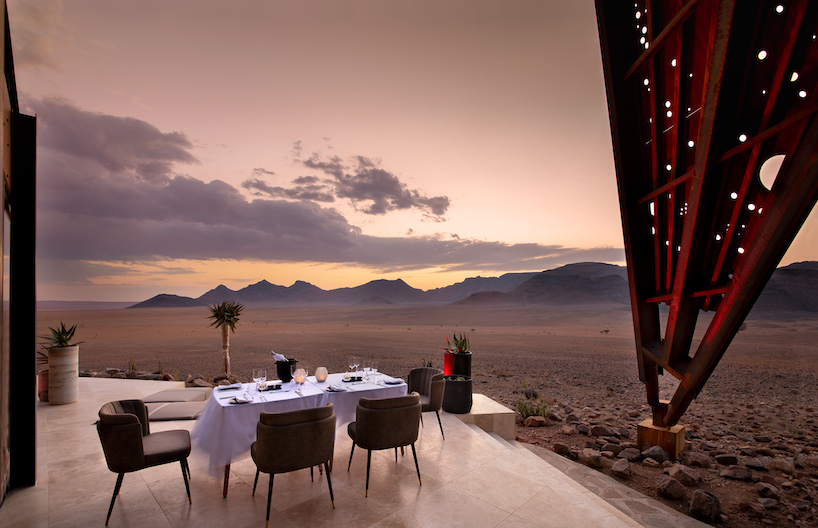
(63, 374)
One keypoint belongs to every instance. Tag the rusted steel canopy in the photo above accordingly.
(706, 100)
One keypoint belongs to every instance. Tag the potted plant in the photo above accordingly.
(457, 356)
(63, 365)
(457, 397)
(225, 316)
(42, 376)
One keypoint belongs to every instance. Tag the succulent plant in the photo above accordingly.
(60, 337)
(458, 345)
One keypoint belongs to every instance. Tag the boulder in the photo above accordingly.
(621, 468)
(630, 453)
(727, 459)
(784, 465)
(568, 430)
(649, 462)
(591, 457)
(697, 459)
(737, 473)
(754, 509)
(705, 506)
(767, 490)
(685, 475)
(600, 430)
(562, 449)
(535, 421)
(768, 503)
(670, 487)
(755, 464)
(656, 453)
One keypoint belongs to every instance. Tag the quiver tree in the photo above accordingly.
(225, 316)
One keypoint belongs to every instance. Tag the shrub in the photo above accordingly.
(533, 408)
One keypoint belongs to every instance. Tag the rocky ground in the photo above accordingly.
(752, 433)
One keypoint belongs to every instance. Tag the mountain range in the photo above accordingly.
(793, 287)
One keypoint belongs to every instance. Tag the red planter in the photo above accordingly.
(42, 385)
(456, 364)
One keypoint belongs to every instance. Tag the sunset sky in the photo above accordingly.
(189, 143)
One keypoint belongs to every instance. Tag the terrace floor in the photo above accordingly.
(470, 479)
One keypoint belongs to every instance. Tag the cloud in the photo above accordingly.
(35, 26)
(120, 145)
(361, 180)
(95, 208)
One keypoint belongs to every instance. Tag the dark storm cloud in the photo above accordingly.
(95, 207)
(121, 145)
(361, 181)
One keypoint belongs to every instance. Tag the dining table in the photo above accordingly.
(226, 428)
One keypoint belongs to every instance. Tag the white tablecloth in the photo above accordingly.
(226, 430)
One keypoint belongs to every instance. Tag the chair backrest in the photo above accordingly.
(384, 423)
(295, 439)
(121, 426)
(428, 381)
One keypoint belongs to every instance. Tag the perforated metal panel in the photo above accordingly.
(712, 109)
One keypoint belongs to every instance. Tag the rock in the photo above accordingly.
(630, 453)
(168, 377)
(727, 459)
(767, 490)
(613, 448)
(568, 430)
(600, 430)
(530, 394)
(812, 461)
(779, 446)
(756, 464)
(737, 473)
(768, 503)
(621, 468)
(685, 475)
(656, 453)
(765, 451)
(754, 509)
(562, 449)
(705, 506)
(535, 421)
(649, 462)
(198, 382)
(670, 487)
(584, 429)
(591, 457)
(697, 459)
(784, 465)
(763, 439)
(556, 416)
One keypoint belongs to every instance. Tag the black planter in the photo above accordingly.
(457, 395)
(284, 369)
(457, 364)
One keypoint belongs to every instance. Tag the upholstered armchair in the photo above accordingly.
(294, 440)
(128, 444)
(385, 423)
(429, 384)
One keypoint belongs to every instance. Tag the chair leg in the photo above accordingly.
(396, 454)
(312, 475)
(414, 454)
(421, 419)
(329, 484)
(440, 424)
(255, 482)
(183, 463)
(269, 496)
(187, 467)
(368, 460)
(350, 456)
(113, 497)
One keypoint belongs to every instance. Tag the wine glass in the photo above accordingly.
(351, 362)
(354, 364)
(256, 378)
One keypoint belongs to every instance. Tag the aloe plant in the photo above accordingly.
(225, 316)
(59, 337)
(458, 345)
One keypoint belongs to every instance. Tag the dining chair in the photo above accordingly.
(385, 423)
(428, 382)
(292, 440)
(128, 444)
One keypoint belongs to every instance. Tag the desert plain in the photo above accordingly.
(760, 402)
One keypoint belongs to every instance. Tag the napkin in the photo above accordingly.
(278, 357)
(393, 381)
(337, 388)
(241, 398)
(230, 387)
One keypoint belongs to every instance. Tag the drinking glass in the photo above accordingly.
(351, 363)
(256, 378)
(262, 378)
(367, 366)
(354, 364)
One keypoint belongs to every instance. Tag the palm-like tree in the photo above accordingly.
(225, 316)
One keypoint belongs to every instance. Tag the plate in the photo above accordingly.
(393, 381)
(350, 380)
(271, 388)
